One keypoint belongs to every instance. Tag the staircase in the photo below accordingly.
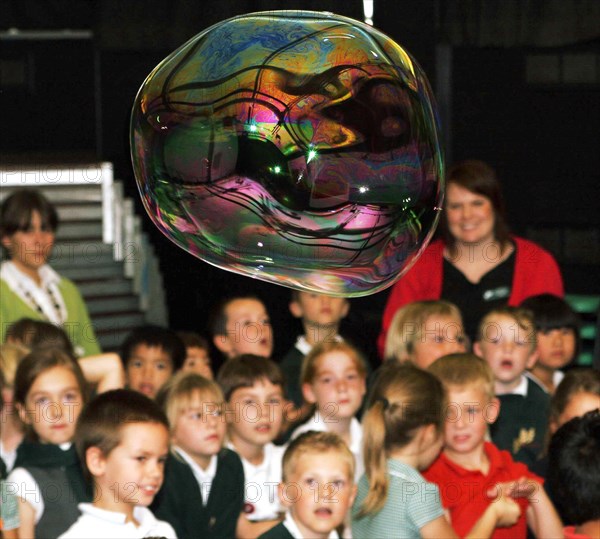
(99, 245)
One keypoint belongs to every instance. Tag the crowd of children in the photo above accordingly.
(437, 441)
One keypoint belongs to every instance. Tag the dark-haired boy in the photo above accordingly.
(197, 354)
(150, 355)
(241, 325)
(253, 390)
(122, 439)
(574, 474)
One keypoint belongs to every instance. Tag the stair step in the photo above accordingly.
(113, 304)
(112, 340)
(80, 253)
(98, 289)
(83, 273)
(79, 211)
(80, 229)
(118, 321)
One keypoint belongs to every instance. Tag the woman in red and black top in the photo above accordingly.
(477, 264)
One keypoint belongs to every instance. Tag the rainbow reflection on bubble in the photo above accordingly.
(300, 148)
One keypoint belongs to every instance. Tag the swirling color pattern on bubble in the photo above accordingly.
(300, 148)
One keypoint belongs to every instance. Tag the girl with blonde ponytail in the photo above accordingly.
(402, 435)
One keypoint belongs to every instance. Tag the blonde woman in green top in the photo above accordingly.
(29, 287)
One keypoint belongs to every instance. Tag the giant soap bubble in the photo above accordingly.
(300, 148)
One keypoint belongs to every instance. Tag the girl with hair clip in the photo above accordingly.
(403, 434)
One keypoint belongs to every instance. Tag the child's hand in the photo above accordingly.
(507, 510)
(521, 488)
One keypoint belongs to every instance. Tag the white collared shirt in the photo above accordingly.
(521, 389)
(318, 423)
(260, 483)
(557, 377)
(292, 527)
(203, 477)
(101, 523)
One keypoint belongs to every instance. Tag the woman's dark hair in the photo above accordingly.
(17, 210)
(478, 177)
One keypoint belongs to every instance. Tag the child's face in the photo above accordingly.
(318, 309)
(257, 414)
(338, 387)
(248, 329)
(319, 493)
(200, 430)
(148, 368)
(132, 473)
(578, 405)
(198, 361)
(508, 350)
(441, 335)
(556, 347)
(53, 405)
(470, 411)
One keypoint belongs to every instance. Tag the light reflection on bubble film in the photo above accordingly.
(300, 148)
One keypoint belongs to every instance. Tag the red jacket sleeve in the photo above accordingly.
(536, 272)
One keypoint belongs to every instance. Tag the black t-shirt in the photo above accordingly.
(475, 299)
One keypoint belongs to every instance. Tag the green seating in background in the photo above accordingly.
(588, 308)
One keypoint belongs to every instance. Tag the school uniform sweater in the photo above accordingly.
(59, 478)
(179, 501)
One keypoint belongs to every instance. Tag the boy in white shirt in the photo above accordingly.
(507, 342)
(253, 390)
(317, 487)
(122, 439)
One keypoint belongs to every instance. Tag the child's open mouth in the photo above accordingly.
(323, 512)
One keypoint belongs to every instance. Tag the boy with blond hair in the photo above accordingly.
(317, 487)
(470, 470)
(122, 439)
(253, 390)
(203, 494)
(507, 342)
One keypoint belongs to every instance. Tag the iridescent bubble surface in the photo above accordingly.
(300, 148)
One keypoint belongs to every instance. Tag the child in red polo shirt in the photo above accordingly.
(470, 471)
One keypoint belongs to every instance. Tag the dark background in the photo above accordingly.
(517, 85)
